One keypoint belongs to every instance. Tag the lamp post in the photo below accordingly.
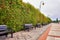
(41, 3)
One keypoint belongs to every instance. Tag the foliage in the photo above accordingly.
(15, 13)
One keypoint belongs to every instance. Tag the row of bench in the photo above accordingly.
(31, 26)
(5, 31)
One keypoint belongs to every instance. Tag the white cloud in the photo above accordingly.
(51, 7)
(36, 3)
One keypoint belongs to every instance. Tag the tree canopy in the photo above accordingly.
(15, 13)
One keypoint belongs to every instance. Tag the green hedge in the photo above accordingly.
(15, 13)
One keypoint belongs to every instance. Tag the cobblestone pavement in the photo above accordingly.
(25, 35)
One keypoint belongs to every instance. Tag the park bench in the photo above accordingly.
(28, 27)
(38, 25)
(5, 31)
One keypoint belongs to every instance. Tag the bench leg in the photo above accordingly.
(6, 35)
(11, 35)
(28, 30)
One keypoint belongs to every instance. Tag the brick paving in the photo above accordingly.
(24, 35)
(54, 33)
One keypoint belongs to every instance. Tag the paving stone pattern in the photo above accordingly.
(25, 35)
(54, 33)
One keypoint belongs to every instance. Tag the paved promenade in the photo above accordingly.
(52, 33)
(24, 35)
(48, 32)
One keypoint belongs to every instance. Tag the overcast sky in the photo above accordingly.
(50, 9)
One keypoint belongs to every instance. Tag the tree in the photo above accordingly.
(15, 13)
(56, 19)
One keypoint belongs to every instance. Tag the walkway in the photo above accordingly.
(24, 35)
(52, 33)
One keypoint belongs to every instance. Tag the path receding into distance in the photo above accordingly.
(25, 35)
(48, 32)
(52, 33)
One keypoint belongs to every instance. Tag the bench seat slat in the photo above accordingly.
(3, 32)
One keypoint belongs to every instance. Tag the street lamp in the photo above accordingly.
(41, 3)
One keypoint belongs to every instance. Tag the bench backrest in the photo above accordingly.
(3, 27)
(28, 25)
